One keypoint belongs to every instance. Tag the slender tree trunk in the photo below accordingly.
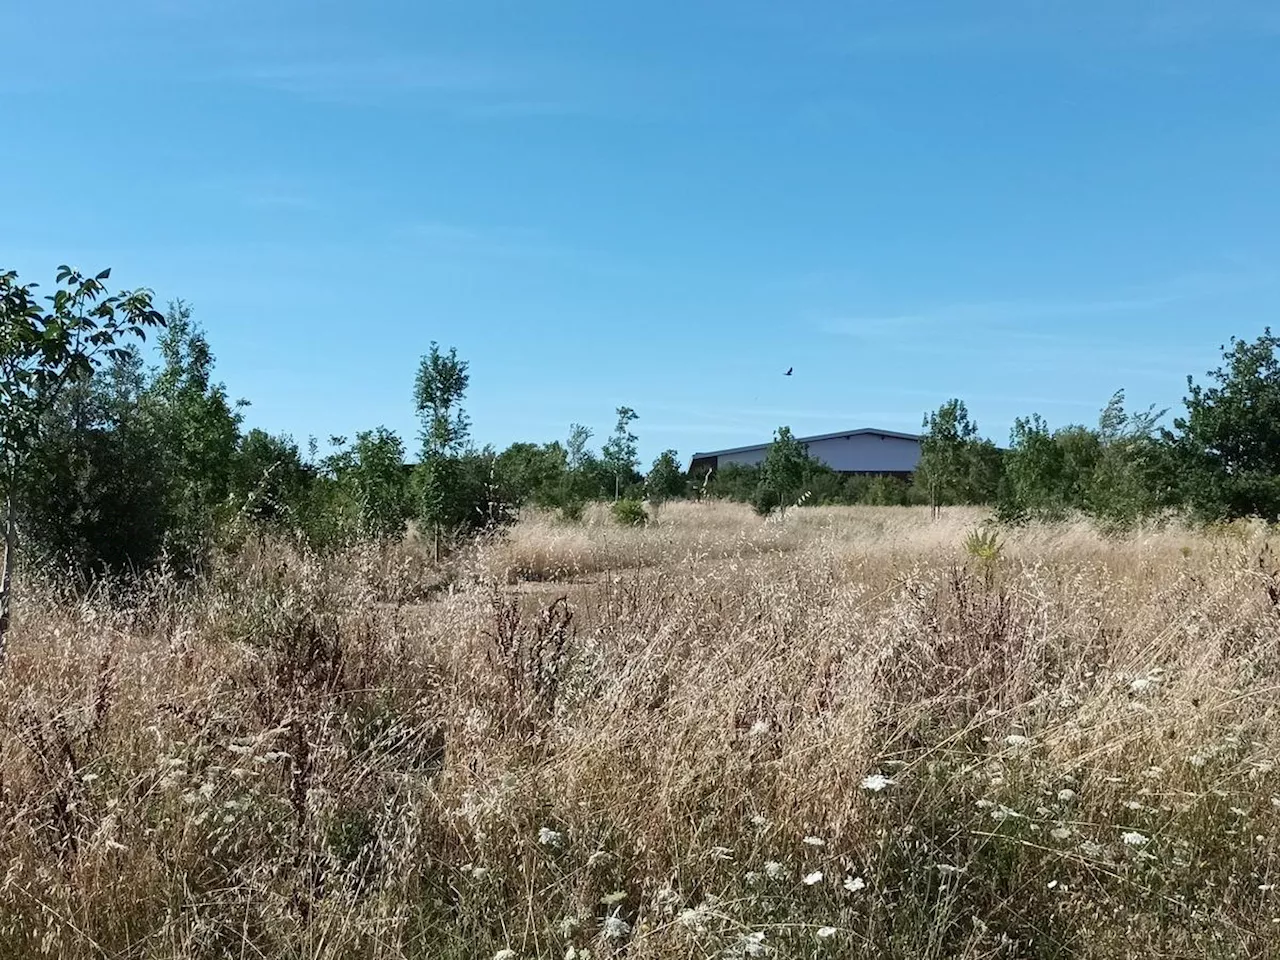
(10, 560)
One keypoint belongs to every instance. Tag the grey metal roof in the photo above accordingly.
(839, 434)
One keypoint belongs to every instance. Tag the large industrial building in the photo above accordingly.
(866, 451)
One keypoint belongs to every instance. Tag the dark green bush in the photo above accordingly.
(629, 513)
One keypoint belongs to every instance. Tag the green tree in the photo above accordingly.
(199, 435)
(619, 452)
(372, 484)
(94, 497)
(532, 473)
(1034, 470)
(945, 461)
(889, 491)
(666, 481)
(1133, 475)
(582, 473)
(42, 351)
(782, 472)
(1229, 439)
(733, 481)
(270, 482)
(1048, 473)
(439, 390)
(986, 469)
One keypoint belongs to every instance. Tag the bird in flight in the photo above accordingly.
(788, 373)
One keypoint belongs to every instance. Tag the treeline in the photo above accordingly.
(1218, 460)
(111, 465)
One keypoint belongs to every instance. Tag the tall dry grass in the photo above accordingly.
(835, 736)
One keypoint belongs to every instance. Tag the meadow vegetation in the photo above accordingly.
(261, 701)
(852, 732)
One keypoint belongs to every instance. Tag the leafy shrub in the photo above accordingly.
(764, 500)
(571, 511)
(629, 513)
(984, 544)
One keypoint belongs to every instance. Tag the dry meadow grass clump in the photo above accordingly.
(841, 735)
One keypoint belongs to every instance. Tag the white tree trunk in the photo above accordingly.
(10, 560)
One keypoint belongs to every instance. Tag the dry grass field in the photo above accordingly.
(840, 735)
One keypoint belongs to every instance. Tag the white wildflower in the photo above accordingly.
(1134, 805)
(665, 897)
(759, 821)
(814, 842)
(877, 782)
(1060, 833)
(984, 804)
(550, 838)
(568, 925)
(854, 884)
(614, 927)
(826, 933)
(506, 954)
(1134, 839)
(1091, 849)
(695, 918)
(760, 728)
(753, 945)
(1017, 740)
(813, 878)
(773, 870)
(949, 870)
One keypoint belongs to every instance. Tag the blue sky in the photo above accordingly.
(665, 205)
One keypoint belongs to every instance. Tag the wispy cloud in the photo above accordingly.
(1043, 319)
(469, 88)
(489, 242)
(343, 78)
(279, 200)
(504, 246)
(927, 37)
(997, 311)
(996, 26)
(265, 192)
(1180, 21)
